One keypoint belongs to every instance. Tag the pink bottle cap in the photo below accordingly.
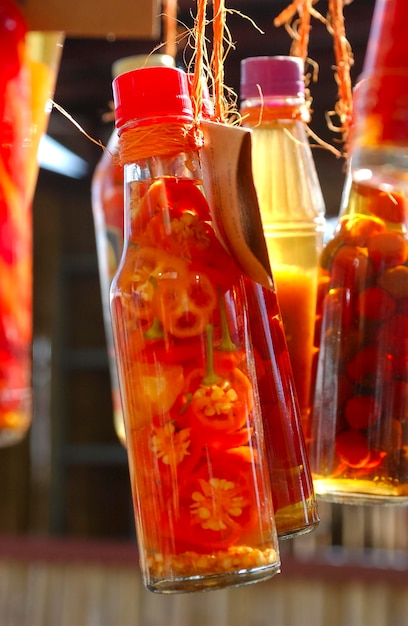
(151, 93)
(272, 76)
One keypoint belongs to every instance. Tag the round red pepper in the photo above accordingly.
(145, 268)
(165, 196)
(223, 406)
(184, 305)
(217, 504)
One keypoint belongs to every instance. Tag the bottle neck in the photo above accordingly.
(162, 138)
(147, 185)
(263, 111)
(183, 165)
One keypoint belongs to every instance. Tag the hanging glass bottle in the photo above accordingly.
(27, 78)
(359, 437)
(290, 198)
(203, 507)
(15, 230)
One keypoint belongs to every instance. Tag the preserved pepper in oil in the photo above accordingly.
(194, 437)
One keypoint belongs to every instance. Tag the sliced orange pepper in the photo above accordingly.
(151, 389)
(144, 268)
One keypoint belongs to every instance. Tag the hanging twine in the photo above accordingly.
(217, 58)
(299, 30)
(344, 61)
(301, 35)
(198, 73)
(214, 67)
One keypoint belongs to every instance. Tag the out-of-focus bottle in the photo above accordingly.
(15, 230)
(27, 79)
(107, 207)
(186, 358)
(379, 145)
(290, 199)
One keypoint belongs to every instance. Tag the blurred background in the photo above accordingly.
(68, 479)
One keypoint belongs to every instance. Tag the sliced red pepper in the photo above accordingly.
(145, 267)
(165, 195)
(224, 406)
(217, 504)
(184, 233)
(185, 305)
(167, 450)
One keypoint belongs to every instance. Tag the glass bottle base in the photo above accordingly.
(192, 571)
(352, 491)
(297, 519)
(213, 581)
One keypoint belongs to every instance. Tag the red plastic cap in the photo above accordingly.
(272, 76)
(151, 94)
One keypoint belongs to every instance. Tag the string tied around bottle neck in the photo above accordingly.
(162, 139)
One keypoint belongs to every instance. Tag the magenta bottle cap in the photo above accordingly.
(151, 93)
(272, 76)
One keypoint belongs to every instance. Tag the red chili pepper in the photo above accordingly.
(350, 268)
(388, 206)
(172, 450)
(217, 504)
(352, 448)
(375, 304)
(369, 365)
(362, 411)
(166, 196)
(145, 268)
(357, 229)
(184, 305)
(387, 250)
(151, 389)
(221, 404)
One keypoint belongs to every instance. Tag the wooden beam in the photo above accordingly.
(95, 18)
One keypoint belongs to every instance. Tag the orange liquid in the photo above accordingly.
(296, 289)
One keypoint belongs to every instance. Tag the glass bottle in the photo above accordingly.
(185, 358)
(359, 442)
(107, 208)
(358, 452)
(27, 78)
(290, 199)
